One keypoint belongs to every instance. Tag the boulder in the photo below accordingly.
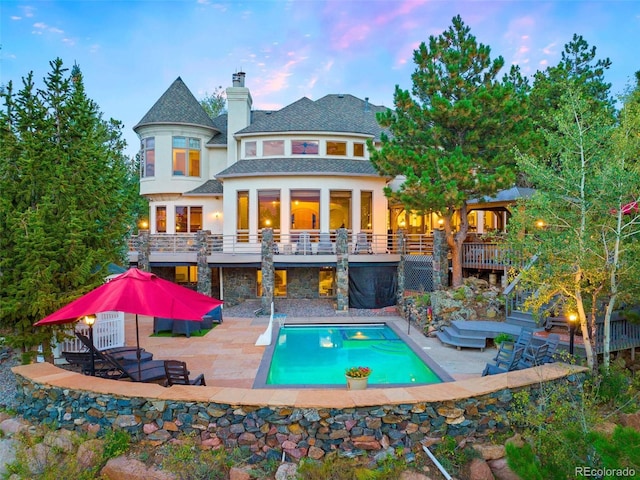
(480, 470)
(124, 468)
(501, 470)
(8, 449)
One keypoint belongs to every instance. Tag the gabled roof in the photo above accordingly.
(177, 106)
(331, 113)
(299, 166)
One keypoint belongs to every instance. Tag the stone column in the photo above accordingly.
(342, 270)
(204, 272)
(440, 260)
(268, 270)
(143, 246)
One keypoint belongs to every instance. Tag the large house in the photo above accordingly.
(303, 172)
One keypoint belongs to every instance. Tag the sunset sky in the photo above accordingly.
(131, 51)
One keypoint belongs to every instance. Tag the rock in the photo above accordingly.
(480, 470)
(630, 420)
(315, 453)
(89, 454)
(287, 471)
(501, 470)
(149, 428)
(8, 448)
(123, 468)
(490, 451)
(411, 475)
(605, 428)
(13, 425)
(61, 440)
(237, 473)
(516, 440)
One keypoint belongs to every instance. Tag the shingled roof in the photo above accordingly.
(299, 166)
(177, 106)
(210, 187)
(331, 113)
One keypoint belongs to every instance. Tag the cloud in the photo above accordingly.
(41, 27)
(15, 17)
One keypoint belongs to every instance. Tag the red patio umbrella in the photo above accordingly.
(140, 293)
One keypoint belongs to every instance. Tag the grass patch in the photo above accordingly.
(195, 333)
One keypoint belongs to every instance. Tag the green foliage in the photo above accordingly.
(614, 387)
(453, 457)
(618, 451)
(503, 337)
(214, 104)
(423, 300)
(189, 462)
(116, 443)
(460, 294)
(451, 136)
(66, 203)
(523, 461)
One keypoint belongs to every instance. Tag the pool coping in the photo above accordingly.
(260, 381)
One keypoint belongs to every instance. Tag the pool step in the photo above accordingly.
(392, 348)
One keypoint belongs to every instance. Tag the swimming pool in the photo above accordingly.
(317, 355)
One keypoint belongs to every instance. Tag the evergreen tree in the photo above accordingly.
(452, 136)
(65, 203)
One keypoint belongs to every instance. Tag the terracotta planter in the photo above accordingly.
(357, 383)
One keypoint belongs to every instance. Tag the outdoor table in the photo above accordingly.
(132, 357)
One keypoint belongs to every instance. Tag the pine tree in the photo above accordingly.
(64, 210)
(452, 136)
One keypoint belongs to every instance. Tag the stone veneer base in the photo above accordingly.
(308, 422)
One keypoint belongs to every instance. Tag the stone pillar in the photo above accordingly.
(268, 270)
(440, 260)
(400, 272)
(204, 272)
(342, 270)
(143, 246)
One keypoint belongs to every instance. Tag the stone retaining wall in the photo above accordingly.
(268, 430)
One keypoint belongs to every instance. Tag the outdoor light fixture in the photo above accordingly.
(572, 331)
(540, 223)
(89, 320)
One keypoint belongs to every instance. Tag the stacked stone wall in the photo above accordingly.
(239, 285)
(269, 430)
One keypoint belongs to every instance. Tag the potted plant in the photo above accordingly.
(357, 377)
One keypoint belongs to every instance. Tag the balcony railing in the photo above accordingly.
(480, 255)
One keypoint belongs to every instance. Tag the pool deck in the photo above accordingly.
(228, 357)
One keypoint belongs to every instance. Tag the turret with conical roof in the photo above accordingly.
(176, 106)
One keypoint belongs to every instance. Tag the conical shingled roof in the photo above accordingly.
(177, 106)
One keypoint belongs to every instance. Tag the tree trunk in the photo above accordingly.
(586, 336)
(455, 241)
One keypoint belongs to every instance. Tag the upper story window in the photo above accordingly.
(366, 210)
(358, 149)
(272, 147)
(304, 147)
(337, 148)
(161, 219)
(269, 209)
(339, 209)
(186, 156)
(188, 219)
(250, 149)
(148, 160)
(305, 209)
(242, 224)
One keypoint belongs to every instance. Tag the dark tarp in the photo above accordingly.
(372, 287)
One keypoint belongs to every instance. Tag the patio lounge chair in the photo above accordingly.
(541, 353)
(506, 348)
(507, 363)
(304, 244)
(147, 371)
(177, 374)
(325, 246)
(362, 244)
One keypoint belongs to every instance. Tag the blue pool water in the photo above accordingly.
(319, 355)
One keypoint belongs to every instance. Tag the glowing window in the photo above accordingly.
(337, 148)
(304, 147)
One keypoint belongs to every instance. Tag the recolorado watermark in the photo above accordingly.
(605, 472)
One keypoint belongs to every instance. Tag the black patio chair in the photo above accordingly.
(146, 371)
(177, 374)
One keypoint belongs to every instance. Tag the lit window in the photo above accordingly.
(305, 209)
(280, 287)
(187, 275)
(250, 149)
(339, 210)
(148, 157)
(243, 216)
(186, 156)
(366, 208)
(161, 219)
(272, 147)
(304, 147)
(188, 219)
(327, 282)
(358, 149)
(337, 148)
(269, 209)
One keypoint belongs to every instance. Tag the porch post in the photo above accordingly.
(268, 270)
(204, 272)
(342, 270)
(143, 246)
(440, 260)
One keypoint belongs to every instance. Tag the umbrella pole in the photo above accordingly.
(138, 348)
